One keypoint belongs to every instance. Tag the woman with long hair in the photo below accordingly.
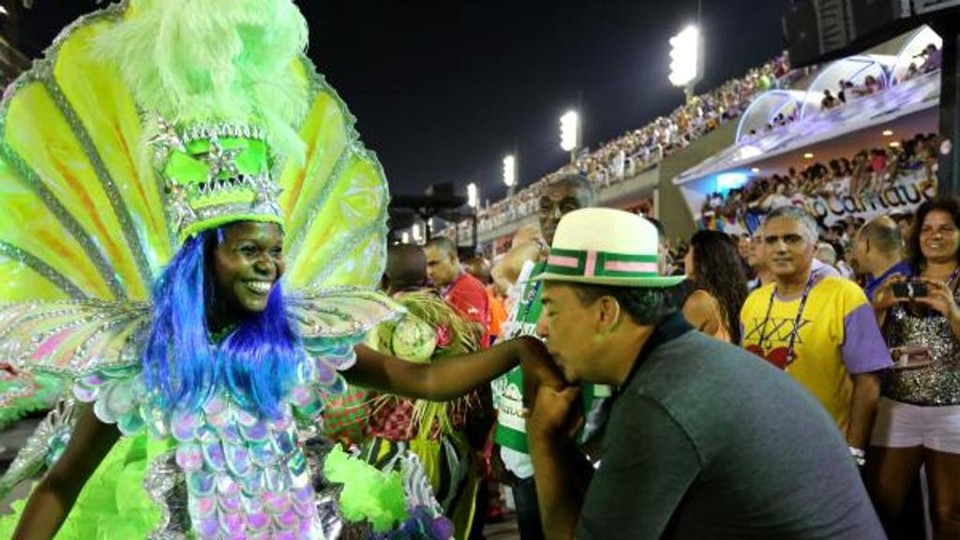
(918, 416)
(715, 269)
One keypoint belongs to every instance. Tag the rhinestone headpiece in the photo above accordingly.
(215, 174)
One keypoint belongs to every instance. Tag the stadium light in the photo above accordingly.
(405, 237)
(416, 232)
(473, 196)
(570, 131)
(685, 57)
(510, 171)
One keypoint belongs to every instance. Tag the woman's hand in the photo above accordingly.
(539, 369)
(883, 298)
(538, 366)
(940, 297)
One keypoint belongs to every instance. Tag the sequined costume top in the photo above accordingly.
(228, 473)
(937, 383)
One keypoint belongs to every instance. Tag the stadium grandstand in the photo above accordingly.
(847, 140)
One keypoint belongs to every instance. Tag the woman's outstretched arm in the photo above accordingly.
(51, 501)
(451, 377)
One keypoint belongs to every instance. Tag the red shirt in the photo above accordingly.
(467, 294)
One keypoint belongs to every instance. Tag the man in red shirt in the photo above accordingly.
(459, 288)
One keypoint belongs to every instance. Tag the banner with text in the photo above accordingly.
(905, 196)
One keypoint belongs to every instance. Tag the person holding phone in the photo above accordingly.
(918, 418)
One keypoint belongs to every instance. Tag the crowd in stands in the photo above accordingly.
(871, 169)
(628, 154)
(847, 91)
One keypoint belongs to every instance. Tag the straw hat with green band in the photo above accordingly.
(603, 246)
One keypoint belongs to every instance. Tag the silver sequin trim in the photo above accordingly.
(166, 487)
(120, 208)
(936, 384)
(66, 220)
(42, 268)
(35, 456)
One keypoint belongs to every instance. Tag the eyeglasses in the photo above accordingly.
(549, 207)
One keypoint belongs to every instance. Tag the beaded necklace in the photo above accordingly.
(796, 322)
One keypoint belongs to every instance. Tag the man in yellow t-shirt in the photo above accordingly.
(820, 329)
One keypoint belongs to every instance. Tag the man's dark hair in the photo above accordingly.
(444, 245)
(579, 183)
(645, 306)
(884, 234)
(479, 267)
(406, 268)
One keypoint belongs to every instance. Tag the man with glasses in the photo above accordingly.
(568, 193)
(818, 328)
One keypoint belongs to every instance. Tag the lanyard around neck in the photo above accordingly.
(796, 322)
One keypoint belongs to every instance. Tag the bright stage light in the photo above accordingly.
(685, 56)
(510, 171)
(570, 131)
(473, 195)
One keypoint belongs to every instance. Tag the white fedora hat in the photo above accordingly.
(604, 246)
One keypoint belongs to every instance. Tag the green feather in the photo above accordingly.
(210, 61)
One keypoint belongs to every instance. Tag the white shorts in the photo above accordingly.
(901, 425)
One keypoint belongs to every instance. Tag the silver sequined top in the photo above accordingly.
(937, 383)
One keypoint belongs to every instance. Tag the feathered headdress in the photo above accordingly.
(220, 100)
(151, 120)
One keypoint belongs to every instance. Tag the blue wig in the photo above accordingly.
(255, 363)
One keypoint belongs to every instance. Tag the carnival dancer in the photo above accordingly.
(188, 227)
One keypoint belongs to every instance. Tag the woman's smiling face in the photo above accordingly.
(938, 237)
(247, 264)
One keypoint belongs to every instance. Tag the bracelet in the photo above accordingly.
(859, 456)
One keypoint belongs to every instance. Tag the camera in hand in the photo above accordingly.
(910, 289)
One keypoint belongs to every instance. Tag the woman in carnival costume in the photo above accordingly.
(162, 168)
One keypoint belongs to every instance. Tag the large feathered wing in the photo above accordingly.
(81, 215)
(335, 201)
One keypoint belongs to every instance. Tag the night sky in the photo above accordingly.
(442, 89)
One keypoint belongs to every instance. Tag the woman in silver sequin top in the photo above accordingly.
(918, 418)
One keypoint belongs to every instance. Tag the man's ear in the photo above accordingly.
(609, 313)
